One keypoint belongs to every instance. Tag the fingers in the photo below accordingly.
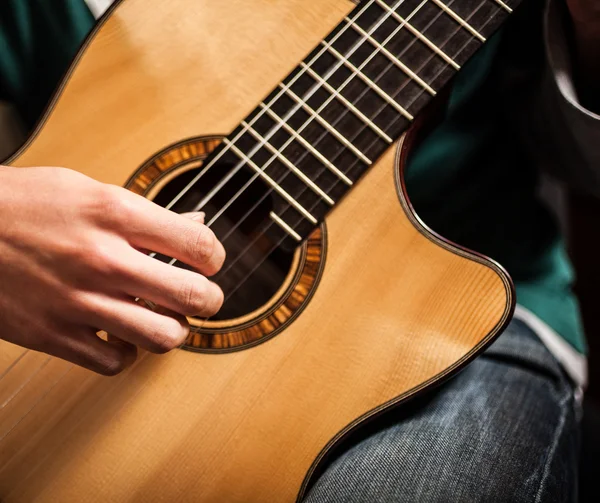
(179, 290)
(87, 350)
(148, 226)
(157, 332)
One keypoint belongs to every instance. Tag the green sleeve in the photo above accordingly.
(38, 40)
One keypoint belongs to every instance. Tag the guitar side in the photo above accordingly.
(397, 308)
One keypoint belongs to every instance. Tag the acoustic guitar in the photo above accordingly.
(267, 115)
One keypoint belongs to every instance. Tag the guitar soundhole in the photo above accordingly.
(256, 266)
(267, 280)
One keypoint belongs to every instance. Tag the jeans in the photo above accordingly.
(504, 430)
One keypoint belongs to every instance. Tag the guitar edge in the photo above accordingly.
(397, 309)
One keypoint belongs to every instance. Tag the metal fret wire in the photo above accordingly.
(224, 150)
(420, 36)
(317, 86)
(285, 88)
(142, 357)
(376, 26)
(324, 105)
(245, 128)
(393, 58)
(205, 169)
(349, 79)
(260, 114)
(283, 224)
(358, 133)
(283, 121)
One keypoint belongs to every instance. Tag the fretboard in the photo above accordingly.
(318, 132)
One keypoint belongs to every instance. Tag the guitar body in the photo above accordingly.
(394, 308)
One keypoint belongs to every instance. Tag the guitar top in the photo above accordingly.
(284, 122)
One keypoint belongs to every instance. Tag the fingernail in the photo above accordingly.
(199, 217)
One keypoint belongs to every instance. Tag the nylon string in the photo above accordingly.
(144, 355)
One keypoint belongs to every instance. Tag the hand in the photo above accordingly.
(70, 266)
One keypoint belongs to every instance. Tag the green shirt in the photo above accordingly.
(472, 180)
(38, 39)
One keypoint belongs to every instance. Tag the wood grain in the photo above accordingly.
(394, 311)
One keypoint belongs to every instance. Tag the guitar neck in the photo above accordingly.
(322, 127)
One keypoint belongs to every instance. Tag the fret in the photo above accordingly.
(336, 94)
(392, 58)
(369, 82)
(221, 151)
(307, 145)
(404, 22)
(279, 221)
(288, 164)
(329, 127)
(459, 20)
(504, 6)
(483, 16)
(271, 182)
(342, 106)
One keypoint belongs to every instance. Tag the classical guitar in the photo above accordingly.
(267, 114)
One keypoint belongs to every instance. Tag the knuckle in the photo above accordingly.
(218, 302)
(192, 296)
(101, 259)
(202, 244)
(111, 203)
(168, 337)
(79, 302)
(116, 360)
(112, 366)
(105, 200)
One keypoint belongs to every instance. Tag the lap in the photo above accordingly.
(505, 429)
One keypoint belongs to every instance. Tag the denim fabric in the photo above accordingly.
(504, 430)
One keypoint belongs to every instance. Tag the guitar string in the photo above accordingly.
(363, 128)
(277, 244)
(204, 170)
(139, 391)
(275, 129)
(189, 186)
(129, 370)
(23, 384)
(302, 157)
(390, 12)
(379, 76)
(145, 354)
(314, 88)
